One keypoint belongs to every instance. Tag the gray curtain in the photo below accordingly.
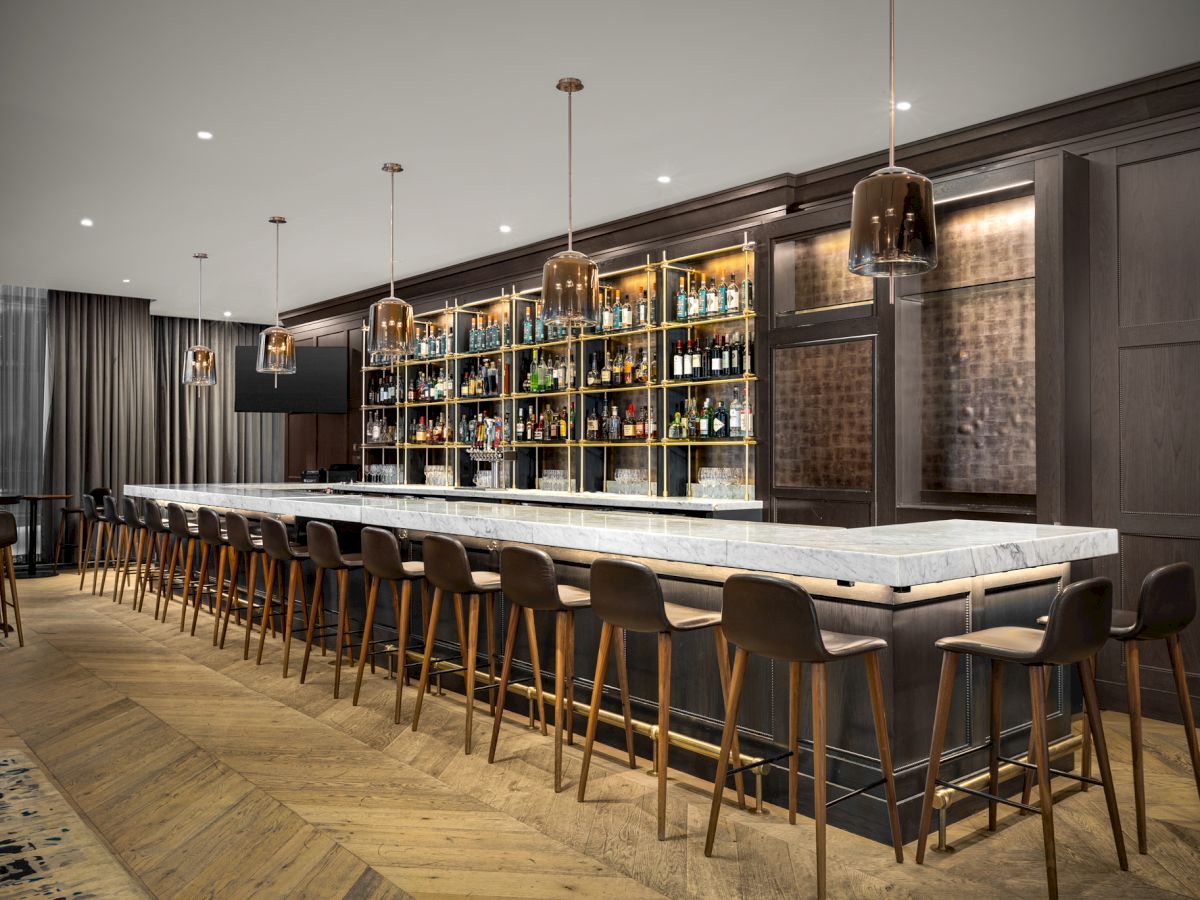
(200, 437)
(22, 397)
(102, 423)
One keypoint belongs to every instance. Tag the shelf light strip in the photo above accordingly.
(983, 193)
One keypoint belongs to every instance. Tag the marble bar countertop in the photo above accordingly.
(894, 555)
(573, 498)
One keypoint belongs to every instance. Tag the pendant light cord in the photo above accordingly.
(199, 299)
(392, 238)
(570, 172)
(892, 83)
(277, 322)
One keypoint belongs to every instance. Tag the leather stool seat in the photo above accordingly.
(569, 595)
(1010, 643)
(689, 618)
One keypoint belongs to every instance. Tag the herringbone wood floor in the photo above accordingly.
(210, 777)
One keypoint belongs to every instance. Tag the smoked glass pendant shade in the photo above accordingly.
(570, 284)
(892, 230)
(389, 329)
(276, 352)
(199, 366)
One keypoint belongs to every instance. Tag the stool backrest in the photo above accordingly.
(130, 513)
(627, 594)
(89, 507)
(152, 515)
(177, 521)
(110, 508)
(1079, 622)
(323, 546)
(528, 578)
(381, 554)
(276, 542)
(772, 617)
(208, 524)
(446, 564)
(1167, 603)
(8, 528)
(237, 528)
(98, 494)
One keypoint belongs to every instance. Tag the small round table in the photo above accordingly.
(34, 567)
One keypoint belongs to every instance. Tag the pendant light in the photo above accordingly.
(276, 346)
(892, 230)
(570, 280)
(390, 327)
(199, 361)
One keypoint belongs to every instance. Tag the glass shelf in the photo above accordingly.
(690, 382)
(615, 389)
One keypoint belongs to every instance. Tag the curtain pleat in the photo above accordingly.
(22, 398)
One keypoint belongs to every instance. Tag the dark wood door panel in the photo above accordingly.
(1159, 216)
(808, 511)
(1160, 431)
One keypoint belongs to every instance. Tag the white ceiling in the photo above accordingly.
(100, 103)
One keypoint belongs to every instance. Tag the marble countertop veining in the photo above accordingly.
(896, 555)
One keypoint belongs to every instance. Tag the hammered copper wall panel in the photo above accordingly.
(983, 244)
(823, 277)
(977, 379)
(824, 410)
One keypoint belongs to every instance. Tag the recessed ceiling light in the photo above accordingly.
(664, 179)
(86, 223)
(124, 281)
(505, 229)
(904, 106)
(228, 314)
(204, 135)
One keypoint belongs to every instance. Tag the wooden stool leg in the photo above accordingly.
(109, 556)
(941, 719)
(510, 644)
(1087, 676)
(471, 651)
(343, 630)
(739, 782)
(1185, 704)
(251, 585)
(1030, 774)
(187, 582)
(16, 600)
(430, 633)
(1037, 696)
(1133, 681)
(732, 703)
(462, 631)
(795, 703)
(166, 586)
(226, 600)
(201, 578)
(490, 624)
(569, 677)
(273, 583)
(995, 730)
(295, 576)
(820, 693)
(86, 539)
(101, 538)
(664, 727)
(402, 617)
(536, 662)
(368, 624)
(318, 588)
(606, 640)
(58, 540)
(879, 713)
(623, 685)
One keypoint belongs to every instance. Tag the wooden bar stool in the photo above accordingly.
(8, 537)
(246, 548)
(131, 548)
(777, 619)
(70, 532)
(324, 550)
(110, 523)
(627, 595)
(280, 551)
(449, 571)
(530, 584)
(382, 562)
(1077, 627)
(92, 524)
(213, 541)
(1166, 605)
(185, 534)
(158, 534)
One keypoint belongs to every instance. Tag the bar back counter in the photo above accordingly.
(909, 584)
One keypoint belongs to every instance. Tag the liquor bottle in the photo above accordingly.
(562, 424)
(748, 353)
(654, 366)
(539, 327)
(723, 296)
(720, 421)
(697, 360)
(593, 375)
(643, 318)
(639, 427)
(675, 428)
(606, 317)
(539, 430)
(642, 374)
(521, 425)
(715, 369)
(687, 360)
(527, 329)
(735, 417)
(626, 312)
(735, 356)
(748, 293)
(705, 421)
(606, 372)
(681, 302)
(627, 374)
(693, 420)
(593, 426)
(677, 362)
(747, 418)
(421, 433)
(507, 335)
(614, 425)
(571, 423)
(693, 304)
(652, 309)
(628, 424)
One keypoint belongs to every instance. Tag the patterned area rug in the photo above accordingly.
(46, 850)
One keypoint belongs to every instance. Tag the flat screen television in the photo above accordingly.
(319, 385)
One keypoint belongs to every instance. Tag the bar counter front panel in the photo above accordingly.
(909, 584)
